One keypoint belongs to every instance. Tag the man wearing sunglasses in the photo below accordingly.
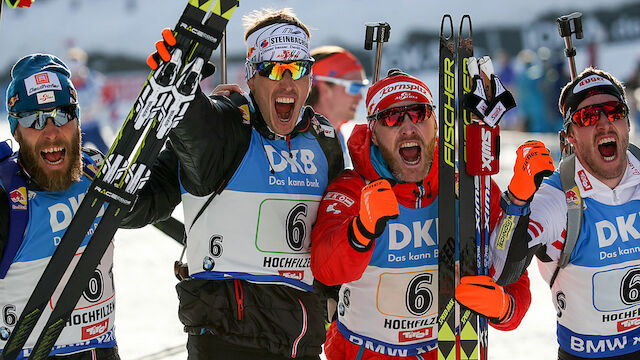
(593, 274)
(42, 185)
(376, 235)
(336, 91)
(250, 171)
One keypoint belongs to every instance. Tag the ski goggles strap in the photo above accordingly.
(590, 115)
(351, 87)
(275, 70)
(37, 119)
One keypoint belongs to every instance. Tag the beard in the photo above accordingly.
(53, 180)
(397, 166)
(590, 158)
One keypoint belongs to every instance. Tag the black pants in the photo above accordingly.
(209, 347)
(563, 355)
(100, 354)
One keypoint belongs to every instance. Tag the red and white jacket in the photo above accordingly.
(334, 261)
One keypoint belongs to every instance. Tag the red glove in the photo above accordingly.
(533, 163)
(482, 295)
(163, 51)
(378, 204)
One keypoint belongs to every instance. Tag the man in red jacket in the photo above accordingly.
(376, 235)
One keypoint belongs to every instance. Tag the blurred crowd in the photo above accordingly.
(536, 77)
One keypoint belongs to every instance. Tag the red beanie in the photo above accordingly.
(396, 87)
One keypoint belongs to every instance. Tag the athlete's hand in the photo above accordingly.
(226, 89)
(163, 52)
(533, 163)
(378, 204)
(482, 295)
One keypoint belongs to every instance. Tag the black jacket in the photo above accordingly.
(205, 149)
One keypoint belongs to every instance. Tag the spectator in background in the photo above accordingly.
(336, 90)
(95, 105)
(530, 98)
(507, 73)
(555, 76)
(633, 96)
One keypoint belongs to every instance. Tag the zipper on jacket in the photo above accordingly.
(239, 297)
(419, 193)
(289, 145)
(303, 331)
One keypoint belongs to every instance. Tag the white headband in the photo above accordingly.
(276, 42)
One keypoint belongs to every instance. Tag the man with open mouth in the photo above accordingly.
(42, 185)
(376, 235)
(251, 171)
(583, 225)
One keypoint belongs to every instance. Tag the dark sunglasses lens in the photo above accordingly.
(617, 111)
(299, 69)
(38, 119)
(590, 115)
(275, 70)
(265, 68)
(394, 116)
(418, 113)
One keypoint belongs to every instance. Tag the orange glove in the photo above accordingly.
(482, 295)
(378, 204)
(164, 47)
(533, 163)
(163, 50)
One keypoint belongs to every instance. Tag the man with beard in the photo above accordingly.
(376, 234)
(592, 265)
(252, 170)
(42, 185)
(336, 91)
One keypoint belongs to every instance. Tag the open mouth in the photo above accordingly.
(53, 155)
(284, 107)
(607, 148)
(410, 152)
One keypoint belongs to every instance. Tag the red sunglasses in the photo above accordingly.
(590, 115)
(394, 116)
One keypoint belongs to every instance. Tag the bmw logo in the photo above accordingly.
(208, 263)
(4, 333)
(341, 309)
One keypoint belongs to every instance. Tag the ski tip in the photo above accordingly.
(466, 17)
(447, 21)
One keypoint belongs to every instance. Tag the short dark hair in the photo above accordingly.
(257, 19)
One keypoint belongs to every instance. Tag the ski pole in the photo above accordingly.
(378, 33)
(564, 28)
(223, 59)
